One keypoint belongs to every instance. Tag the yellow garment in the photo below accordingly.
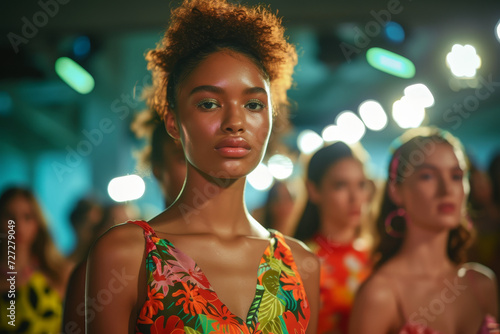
(38, 308)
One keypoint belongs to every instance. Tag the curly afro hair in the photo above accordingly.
(199, 28)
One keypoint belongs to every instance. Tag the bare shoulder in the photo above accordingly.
(375, 294)
(484, 283)
(478, 271)
(378, 290)
(299, 249)
(122, 243)
(481, 277)
(302, 254)
(115, 266)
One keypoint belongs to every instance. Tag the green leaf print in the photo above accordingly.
(287, 299)
(189, 330)
(206, 323)
(274, 327)
(270, 308)
(279, 266)
(263, 267)
(271, 281)
(253, 313)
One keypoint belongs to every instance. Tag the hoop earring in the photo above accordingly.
(388, 222)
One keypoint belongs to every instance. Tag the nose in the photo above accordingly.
(445, 185)
(234, 120)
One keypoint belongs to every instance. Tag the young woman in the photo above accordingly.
(204, 265)
(421, 283)
(330, 225)
(38, 286)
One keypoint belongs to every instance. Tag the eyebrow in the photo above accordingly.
(218, 90)
(424, 165)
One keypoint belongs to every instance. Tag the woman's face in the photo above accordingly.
(342, 194)
(223, 115)
(434, 194)
(20, 210)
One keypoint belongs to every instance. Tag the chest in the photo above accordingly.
(241, 287)
(447, 306)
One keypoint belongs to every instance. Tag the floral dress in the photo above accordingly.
(181, 300)
(343, 269)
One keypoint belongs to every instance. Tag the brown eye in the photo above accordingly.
(255, 105)
(208, 104)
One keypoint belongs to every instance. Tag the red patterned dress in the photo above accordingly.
(181, 300)
(343, 269)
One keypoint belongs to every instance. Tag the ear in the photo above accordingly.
(313, 193)
(394, 193)
(171, 124)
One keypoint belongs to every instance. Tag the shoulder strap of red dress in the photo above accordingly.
(145, 226)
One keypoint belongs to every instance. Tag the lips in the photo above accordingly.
(446, 208)
(233, 147)
(355, 212)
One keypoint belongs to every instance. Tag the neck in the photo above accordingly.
(213, 205)
(337, 233)
(425, 251)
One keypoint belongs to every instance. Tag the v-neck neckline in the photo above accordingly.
(256, 291)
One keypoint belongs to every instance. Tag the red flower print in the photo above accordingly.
(226, 322)
(285, 255)
(150, 245)
(292, 325)
(174, 325)
(151, 306)
(293, 283)
(198, 275)
(193, 303)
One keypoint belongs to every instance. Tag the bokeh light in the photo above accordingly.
(351, 127)
(390, 62)
(309, 141)
(81, 46)
(420, 94)
(280, 166)
(126, 188)
(463, 61)
(74, 75)
(331, 133)
(394, 32)
(407, 114)
(497, 30)
(373, 115)
(260, 178)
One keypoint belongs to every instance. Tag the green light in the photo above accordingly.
(74, 75)
(389, 62)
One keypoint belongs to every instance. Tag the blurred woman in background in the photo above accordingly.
(40, 270)
(331, 224)
(421, 283)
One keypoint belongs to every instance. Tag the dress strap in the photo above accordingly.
(145, 226)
